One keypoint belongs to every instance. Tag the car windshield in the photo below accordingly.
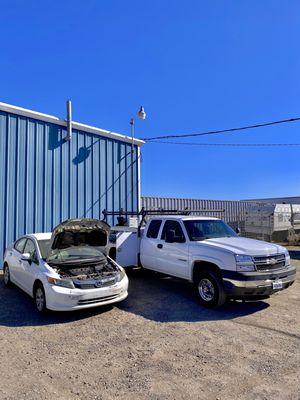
(44, 247)
(75, 253)
(207, 229)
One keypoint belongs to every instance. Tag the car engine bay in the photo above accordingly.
(89, 274)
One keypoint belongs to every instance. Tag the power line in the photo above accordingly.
(242, 128)
(229, 144)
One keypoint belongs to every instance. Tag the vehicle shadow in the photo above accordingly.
(17, 309)
(295, 254)
(151, 295)
(161, 298)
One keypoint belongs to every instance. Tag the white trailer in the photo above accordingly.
(272, 221)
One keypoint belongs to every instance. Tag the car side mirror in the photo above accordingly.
(238, 231)
(26, 257)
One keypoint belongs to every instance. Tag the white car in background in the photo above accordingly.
(68, 269)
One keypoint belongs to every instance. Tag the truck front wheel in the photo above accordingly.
(210, 289)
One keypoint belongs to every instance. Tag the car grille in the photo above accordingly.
(98, 299)
(269, 263)
(97, 283)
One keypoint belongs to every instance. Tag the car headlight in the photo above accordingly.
(61, 282)
(244, 263)
(287, 258)
(121, 274)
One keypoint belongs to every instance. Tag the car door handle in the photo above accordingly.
(160, 246)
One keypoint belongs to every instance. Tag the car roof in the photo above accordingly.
(184, 217)
(40, 236)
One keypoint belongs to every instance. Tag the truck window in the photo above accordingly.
(153, 229)
(171, 225)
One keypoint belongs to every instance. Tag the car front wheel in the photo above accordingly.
(6, 275)
(40, 298)
(210, 290)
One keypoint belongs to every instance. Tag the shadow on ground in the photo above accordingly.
(17, 309)
(151, 295)
(164, 299)
(295, 254)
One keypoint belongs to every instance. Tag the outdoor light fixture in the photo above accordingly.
(141, 114)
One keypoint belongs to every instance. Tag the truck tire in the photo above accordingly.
(210, 289)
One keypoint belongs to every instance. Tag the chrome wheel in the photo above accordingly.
(6, 276)
(206, 289)
(40, 299)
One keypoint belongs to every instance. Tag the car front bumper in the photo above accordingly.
(260, 284)
(64, 299)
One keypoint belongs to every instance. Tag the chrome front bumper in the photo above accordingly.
(243, 284)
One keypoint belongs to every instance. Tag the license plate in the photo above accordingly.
(277, 285)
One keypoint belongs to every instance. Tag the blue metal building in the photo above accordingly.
(45, 179)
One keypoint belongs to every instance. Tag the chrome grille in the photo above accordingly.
(269, 263)
(95, 283)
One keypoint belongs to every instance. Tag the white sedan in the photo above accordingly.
(68, 269)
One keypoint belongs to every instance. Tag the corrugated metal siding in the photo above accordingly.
(234, 210)
(45, 180)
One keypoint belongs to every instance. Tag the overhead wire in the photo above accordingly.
(228, 144)
(214, 132)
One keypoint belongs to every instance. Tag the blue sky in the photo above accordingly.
(194, 65)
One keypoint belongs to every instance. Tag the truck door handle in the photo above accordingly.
(159, 246)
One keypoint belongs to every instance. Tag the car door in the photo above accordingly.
(174, 256)
(149, 250)
(29, 268)
(14, 260)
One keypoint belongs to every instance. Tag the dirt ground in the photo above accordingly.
(157, 344)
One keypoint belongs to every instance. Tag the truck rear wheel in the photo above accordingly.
(210, 289)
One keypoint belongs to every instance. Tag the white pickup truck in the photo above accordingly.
(209, 253)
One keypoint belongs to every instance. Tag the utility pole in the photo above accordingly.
(142, 115)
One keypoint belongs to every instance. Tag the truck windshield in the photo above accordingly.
(207, 229)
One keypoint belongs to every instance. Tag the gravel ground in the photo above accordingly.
(157, 344)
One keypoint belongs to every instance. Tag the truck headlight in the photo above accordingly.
(287, 258)
(244, 263)
(61, 282)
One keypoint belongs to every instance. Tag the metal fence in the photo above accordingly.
(234, 211)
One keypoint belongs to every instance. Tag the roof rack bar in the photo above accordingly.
(159, 211)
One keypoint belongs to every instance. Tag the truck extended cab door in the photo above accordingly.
(149, 250)
(173, 250)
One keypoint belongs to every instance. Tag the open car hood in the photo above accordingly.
(80, 232)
